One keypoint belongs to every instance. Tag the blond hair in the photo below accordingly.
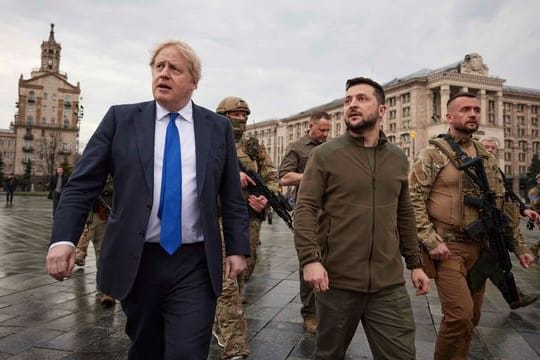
(193, 61)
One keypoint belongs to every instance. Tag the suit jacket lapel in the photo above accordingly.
(203, 138)
(144, 123)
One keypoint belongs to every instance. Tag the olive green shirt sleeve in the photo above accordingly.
(308, 205)
(407, 230)
(289, 162)
(425, 170)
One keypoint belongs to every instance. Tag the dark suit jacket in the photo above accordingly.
(123, 145)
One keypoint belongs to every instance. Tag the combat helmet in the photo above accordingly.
(232, 103)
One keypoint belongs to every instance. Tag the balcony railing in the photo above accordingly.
(28, 148)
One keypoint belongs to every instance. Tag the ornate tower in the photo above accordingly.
(47, 120)
(50, 53)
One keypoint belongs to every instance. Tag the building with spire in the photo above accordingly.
(416, 113)
(45, 128)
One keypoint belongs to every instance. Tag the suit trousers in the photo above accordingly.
(461, 310)
(170, 308)
(386, 316)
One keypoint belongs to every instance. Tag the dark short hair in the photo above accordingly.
(378, 89)
(461, 94)
(316, 116)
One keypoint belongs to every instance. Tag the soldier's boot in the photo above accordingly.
(524, 300)
(106, 300)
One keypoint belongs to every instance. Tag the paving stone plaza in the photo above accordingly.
(44, 319)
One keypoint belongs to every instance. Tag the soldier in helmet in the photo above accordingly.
(230, 325)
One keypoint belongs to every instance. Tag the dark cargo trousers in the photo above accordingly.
(386, 316)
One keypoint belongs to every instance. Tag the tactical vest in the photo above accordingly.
(445, 204)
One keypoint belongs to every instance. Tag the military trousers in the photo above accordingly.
(460, 308)
(254, 242)
(95, 232)
(230, 317)
(386, 316)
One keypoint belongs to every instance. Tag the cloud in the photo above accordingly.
(281, 56)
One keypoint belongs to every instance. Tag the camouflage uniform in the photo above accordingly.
(437, 189)
(230, 326)
(254, 157)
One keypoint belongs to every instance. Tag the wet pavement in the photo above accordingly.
(44, 319)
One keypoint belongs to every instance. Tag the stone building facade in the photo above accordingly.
(45, 130)
(416, 112)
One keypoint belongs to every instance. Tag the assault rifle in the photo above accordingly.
(276, 201)
(491, 222)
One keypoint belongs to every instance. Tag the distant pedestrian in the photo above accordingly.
(10, 187)
(55, 187)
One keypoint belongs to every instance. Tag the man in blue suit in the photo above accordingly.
(168, 296)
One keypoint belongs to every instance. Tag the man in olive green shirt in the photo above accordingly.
(356, 186)
(291, 171)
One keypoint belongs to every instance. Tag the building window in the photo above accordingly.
(66, 122)
(520, 107)
(534, 109)
(44, 120)
(536, 147)
(405, 98)
(391, 101)
(31, 97)
(406, 111)
(534, 133)
(491, 118)
(392, 127)
(392, 115)
(534, 121)
(521, 157)
(45, 95)
(522, 170)
(508, 144)
(507, 156)
(521, 132)
(508, 170)
(506, 131)
(507, 107)
(29, 120)
(406, 124)
(405, 138)
(30, 108)
(523, 145)
(506, 119)
(53, 110)
(392, 139)
(338, 128)
(521, 120)
(53, 97)
(491, 106)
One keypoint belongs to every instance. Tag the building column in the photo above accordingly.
(429, 108)
(445, 95)
(499, 110)
(483, 107)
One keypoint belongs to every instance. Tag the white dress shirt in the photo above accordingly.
(191, 229)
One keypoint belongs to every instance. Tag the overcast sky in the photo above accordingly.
(281, 56)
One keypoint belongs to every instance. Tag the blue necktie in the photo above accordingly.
(170, 206)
